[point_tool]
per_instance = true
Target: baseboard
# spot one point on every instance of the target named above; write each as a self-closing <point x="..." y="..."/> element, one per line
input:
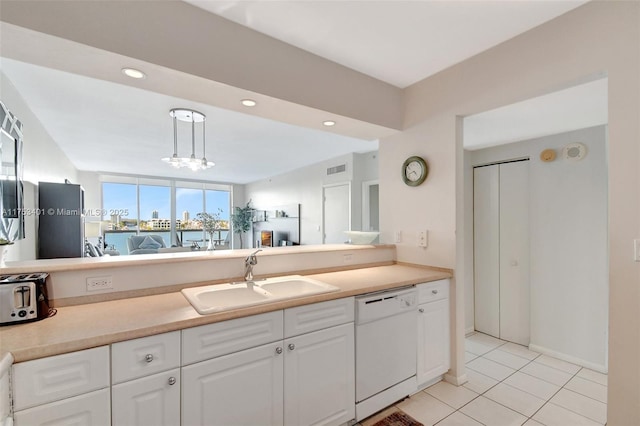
<point x="574" y="360"/>
<point x="431" y="382"/>
<point x="469" y="330"/>
<point x="456" y="380"/>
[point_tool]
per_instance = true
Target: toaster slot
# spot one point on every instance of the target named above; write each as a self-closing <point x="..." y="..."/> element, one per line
<point x="22" y="297"/>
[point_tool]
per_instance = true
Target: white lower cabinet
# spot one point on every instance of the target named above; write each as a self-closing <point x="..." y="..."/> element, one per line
<point x="243" y="388"/>
<point x="433" y="331"/>
<point x="306" y="379"/>
<point x="68" y="389"/>
<point x="153" y="400"/>
<point x="319" y="377"/>
<point x="145" y="377"/>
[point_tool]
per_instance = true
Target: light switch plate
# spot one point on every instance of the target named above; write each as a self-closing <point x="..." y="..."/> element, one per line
<point x="636" y="250"/>
<point x="398" y="236"/>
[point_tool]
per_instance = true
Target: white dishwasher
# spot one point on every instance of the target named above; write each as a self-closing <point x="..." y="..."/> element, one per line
<point x="386" y="334"/>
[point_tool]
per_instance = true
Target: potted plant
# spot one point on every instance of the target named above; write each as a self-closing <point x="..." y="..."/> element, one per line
<point x="241" y="219"/>
<point x="211" y="222"/>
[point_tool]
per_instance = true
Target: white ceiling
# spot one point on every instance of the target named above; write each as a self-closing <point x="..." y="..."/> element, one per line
<point x="574" y="108"/>
<point x="396" y="41"/>
<point x="109" y="125"/>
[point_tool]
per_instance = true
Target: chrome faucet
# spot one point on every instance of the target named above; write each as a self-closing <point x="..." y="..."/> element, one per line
<point x="249" y="263"/>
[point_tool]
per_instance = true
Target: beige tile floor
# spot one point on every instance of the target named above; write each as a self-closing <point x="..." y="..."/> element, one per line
<point x="510" y="385"/>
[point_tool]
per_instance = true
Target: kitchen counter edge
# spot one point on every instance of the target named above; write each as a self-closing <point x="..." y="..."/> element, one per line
<point x="81" y="327"/>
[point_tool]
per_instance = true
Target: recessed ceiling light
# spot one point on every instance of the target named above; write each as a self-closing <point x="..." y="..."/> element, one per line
<point x="329" y="123"/>
<point x="248" y="102"/>
<point x="133" y="73"/>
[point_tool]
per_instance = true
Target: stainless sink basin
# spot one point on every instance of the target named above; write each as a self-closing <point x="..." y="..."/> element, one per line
<point x="223" y="297"/>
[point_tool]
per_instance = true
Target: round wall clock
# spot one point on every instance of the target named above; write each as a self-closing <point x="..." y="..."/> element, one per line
<point x="414" y="171"/>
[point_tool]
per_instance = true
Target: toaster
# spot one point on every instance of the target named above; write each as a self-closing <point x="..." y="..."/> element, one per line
<point x="23" y="298"/>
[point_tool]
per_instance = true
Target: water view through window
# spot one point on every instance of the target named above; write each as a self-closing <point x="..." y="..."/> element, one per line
<point x="147" y="209"/>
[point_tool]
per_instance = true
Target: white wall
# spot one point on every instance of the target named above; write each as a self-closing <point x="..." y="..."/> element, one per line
<point x="600" y="38"/>
<point x="568" y="245"/>
<point x="43" y="162"/>
<point x="90" y="182"/>
<point x="304" y="186"/>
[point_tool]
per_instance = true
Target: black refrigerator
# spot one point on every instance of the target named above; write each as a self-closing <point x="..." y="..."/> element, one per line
<point x="60" y="220"/>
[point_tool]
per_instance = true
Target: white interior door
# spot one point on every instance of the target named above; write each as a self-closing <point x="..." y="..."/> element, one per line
<point x="336" y="213"/>
<point x="501" y="251"/>
<point x="514" y="252"/>
<point x="486" y="249"/>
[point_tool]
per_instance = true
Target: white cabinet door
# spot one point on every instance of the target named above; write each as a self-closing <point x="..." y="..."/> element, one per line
<point x="320" y="377"/>
<point x="153" y="400"/>
<point x="242" y="388"/>
<point x="90" y="409"/>
<point x="433" y="340"/>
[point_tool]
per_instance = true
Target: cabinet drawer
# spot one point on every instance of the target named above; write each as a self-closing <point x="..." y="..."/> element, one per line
<point x="430" y="292"/>
<point x="308" y="318"/>
<point x="148" y="355"/>
<point x="50" y="379"/>
<point x="213" y="340"/>
<point x="91" y="409"/>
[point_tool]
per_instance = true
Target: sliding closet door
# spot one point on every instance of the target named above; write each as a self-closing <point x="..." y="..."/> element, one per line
<point x="486" y="240"/>
<point x="514" y="252"/>
<point x="501" y="250"/>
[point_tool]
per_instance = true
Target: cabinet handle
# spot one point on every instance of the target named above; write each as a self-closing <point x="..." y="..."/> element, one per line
<point x="434" y="291"/>
<point x="278" y="350"/>
<point x="291" y="346"/>
<point x="148" y="358"/>
<point x="421" y="310"/>
<point x="172" y="381"/>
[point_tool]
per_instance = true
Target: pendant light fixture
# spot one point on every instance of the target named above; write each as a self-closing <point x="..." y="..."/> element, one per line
<point x="192" y="117"/>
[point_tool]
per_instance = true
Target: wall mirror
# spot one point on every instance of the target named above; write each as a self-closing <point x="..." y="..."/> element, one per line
<point x="11" y="186"/>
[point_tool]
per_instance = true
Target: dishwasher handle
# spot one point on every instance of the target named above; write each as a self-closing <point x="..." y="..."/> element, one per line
<point x="385" y="304"/>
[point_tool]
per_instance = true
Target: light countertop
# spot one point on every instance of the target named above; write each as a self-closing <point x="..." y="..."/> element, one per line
<point x="80" y="327"/>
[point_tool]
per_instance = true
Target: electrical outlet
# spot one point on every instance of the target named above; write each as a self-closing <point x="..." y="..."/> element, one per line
<point x="423" y="239"/>
<point x="99" y="283"/>
<point x="636" y="250"/>
<point x="398" y="236"/>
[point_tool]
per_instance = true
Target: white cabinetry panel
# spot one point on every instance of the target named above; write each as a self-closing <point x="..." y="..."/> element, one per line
<point x="243" y="388"/>
<point x="430" y="292"/>
<point x="49" y="379"/>
<point x="145" y="356"/>
<point x="153" y="400"/>
<point x="433" y="340"/>
<point x="320" y="377"/>
<point x="91" y="409"/>
<point x="308" y="318"/>
<point x="212" y="340"/>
